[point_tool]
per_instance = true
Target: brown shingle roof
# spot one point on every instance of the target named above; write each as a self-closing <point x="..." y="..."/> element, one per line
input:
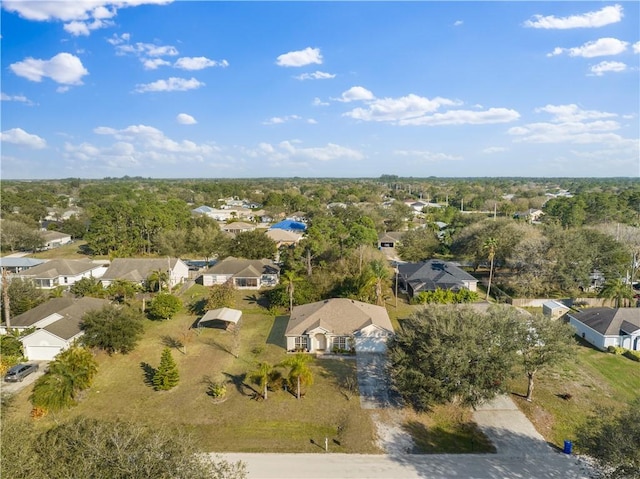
<point x="60" y="267"/>
<point x="136" y="269"/>
<point x="340" y="316"/>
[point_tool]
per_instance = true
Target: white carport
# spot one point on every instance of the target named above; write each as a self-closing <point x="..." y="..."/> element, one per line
<point x="215" y="317"/>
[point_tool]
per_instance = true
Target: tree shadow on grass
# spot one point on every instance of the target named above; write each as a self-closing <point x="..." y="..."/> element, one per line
<point x="149" y="371"/>
<point x="258" y="299"/>
<point x="464" y="438"/>
<point x="276" y="334"/>
<point x="239" y="381"/>
<point x="172" y="342"/>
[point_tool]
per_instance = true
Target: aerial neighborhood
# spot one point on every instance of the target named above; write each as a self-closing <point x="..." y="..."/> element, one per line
<point x="258" y="303"/>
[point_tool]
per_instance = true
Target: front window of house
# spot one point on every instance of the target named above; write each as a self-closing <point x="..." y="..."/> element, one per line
<point x="340" y="343"/>
<point x="302" y="343"/>
<point x="246" y="282"/>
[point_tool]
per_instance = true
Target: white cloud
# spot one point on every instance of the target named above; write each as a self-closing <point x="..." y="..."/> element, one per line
<point x="18" y="98"/>
<point x="356" y="93"/>
<point x="18" y="136"/>
<point x="317" y="75"/>
<point x="198" y="63"/>
<point x="318" y="102"/>
<point x="425" y="156"/>
<point x="286" y="153"/>
<point x="277" y="120"/>
<point x="186" y="119"/>
<point x="465" y="117"/>
<point x="599" y="18"/>
<point x="146" y="50"/>
<point x="312" y="121"/>
<point x="636" y="47"/>
<point x="300" y="58"/>
<point x="63" y="68"/>
<point x="457" y="23"/>
<point x="570" y="124"/>
<point x="598" y="48"/>
<point x="604" y="67"/>
<point x="119" y="39"/>
<point x="397" y="109"/>
<point x="154" y="63"/>
<point x="171" y="84"/>
<point x="494" y="149"/>
<point x="80" y="17"/>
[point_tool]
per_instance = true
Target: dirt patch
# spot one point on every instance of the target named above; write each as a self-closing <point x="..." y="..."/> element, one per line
<point x="391" y="436"/>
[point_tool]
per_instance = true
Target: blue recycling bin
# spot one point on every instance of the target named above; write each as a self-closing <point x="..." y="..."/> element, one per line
<point x="568" y="446"/>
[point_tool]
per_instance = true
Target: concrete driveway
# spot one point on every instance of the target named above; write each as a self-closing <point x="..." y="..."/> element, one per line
<point x="373" y="382"/>
<point x="11" y="388"/>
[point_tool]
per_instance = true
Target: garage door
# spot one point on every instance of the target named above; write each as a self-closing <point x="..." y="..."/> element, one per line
<point x="371" y="344"/>
<point x="41" y="353"/>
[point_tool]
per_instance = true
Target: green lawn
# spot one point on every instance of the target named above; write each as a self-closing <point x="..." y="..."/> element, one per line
<point x="594" y="379"/>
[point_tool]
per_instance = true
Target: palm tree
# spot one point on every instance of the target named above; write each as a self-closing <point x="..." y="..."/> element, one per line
<point x="299" y="372"/>
<point x="618" y="291"/>
<point x="381" y="273"/>
<point x="262" y="377"/>
<point x="490" y="245"/>
<point x="156" y="280"/>
<point x="289" y="278"/>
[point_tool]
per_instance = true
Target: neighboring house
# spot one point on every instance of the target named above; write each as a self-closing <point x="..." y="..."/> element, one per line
<point x="63" y="272"/>
<point x="18" y="265"/>
<point x="390" y="239"/>
<point x="338" y="324"/>
<point x="604" y="327"/>
<point x="237" y="227"/>
<point x="284" y="237"/>
<point x="554" y="309"/>
<point x="532" y="215"/>
<point x="289" y="225"/>
<point x="137" y="270"/>
<point x="54" y="239"/>
<point x="57" y="324"/>
<point x="300" y="216"/>
<point x="243" y="273"/>
<point x="434" y="274"/>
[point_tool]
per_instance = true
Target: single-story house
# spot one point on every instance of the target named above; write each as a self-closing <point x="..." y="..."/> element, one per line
<point x="137" y="270"/>
<point x="243" y="273"/>
<point x="390" y="239"/>
<point x="554" y="309"/>
<point x="18" y="265"/>
<point x="225" y="316"/>
<point x="289" y="225"/>
<point x="57" y="324"/>
<point x="53" y="239"/>
<point x="434" y="274"/>
<point x="63" y="272"/>
<point x="283" y="237"/>
<point x="237" y="227"/>
<point x="338" y="324"/>
<point x="604" y="327"/>
<point x="532" y="215"/>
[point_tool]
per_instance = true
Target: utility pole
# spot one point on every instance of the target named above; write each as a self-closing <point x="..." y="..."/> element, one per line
<point x="5" y="297"/>
<point x="397" y="273"/>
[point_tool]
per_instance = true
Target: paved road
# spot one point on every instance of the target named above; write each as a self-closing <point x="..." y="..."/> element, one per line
<point x="437" y="466"/>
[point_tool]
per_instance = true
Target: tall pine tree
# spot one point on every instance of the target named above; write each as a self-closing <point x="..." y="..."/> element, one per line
<point x="166" y="376"/>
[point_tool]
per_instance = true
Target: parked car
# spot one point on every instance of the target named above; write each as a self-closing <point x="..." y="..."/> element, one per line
<point x="19" y="372"/>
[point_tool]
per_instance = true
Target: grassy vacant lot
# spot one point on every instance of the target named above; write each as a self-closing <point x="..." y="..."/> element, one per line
<point x="594" y="379"/>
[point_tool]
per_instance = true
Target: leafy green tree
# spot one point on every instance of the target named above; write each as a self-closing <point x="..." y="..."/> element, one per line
<point x="23" y="296"/>
<point x="300" y="373"/>
<point x="618" y="291"/>
<point x="221" y="296"/>
<point x="252" y="245"/>
<point x="289" y="278"/>
<point x="83" y="447"/>
<point x="612" y="439"/>
<point x="74" y="227"/>
<point x="113" y="329"/>
<point x="87" y="287"/>
<point x="542" y="343"/>
<point x="16" y="235"/>
<point x="418" y="245"/>
<point x="122" y="290"/>
<point x="164" y="306"/>
<point x="158" y="280"/>
<point x="452" y="354"/>
<point x="69" y="374"/>
<point x="381" y="273"/>
<point x="166" y="376"/>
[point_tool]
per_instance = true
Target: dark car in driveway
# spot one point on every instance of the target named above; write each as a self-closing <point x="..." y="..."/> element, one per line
<point x="19" y="372"/>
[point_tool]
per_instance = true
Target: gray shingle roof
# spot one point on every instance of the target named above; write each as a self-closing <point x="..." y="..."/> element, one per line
<point x="432" y="274"/>
<point x="60" y="267"/>
<point x="609" y="321"/>
<point x="137" y="269"/>
<point x="341" y="316"/>
<point x="235" y="266"/>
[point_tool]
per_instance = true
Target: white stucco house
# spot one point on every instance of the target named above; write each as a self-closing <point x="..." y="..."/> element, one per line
<point x="338" y="324"/>
<point x="604" y="327"/>
<point x="54" y="239"/>
<point x="137" y="270"/>
<point x="242" y="273"/>
<point x="63" y="272"/>
<point x="56" y="323"/>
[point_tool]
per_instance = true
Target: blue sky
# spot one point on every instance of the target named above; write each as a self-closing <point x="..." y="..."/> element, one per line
<point x="180" y="89"/>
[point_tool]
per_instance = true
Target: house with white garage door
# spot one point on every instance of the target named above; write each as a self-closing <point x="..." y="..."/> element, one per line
<point x="56" y="323"/>
<point x="338" y="325"/>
